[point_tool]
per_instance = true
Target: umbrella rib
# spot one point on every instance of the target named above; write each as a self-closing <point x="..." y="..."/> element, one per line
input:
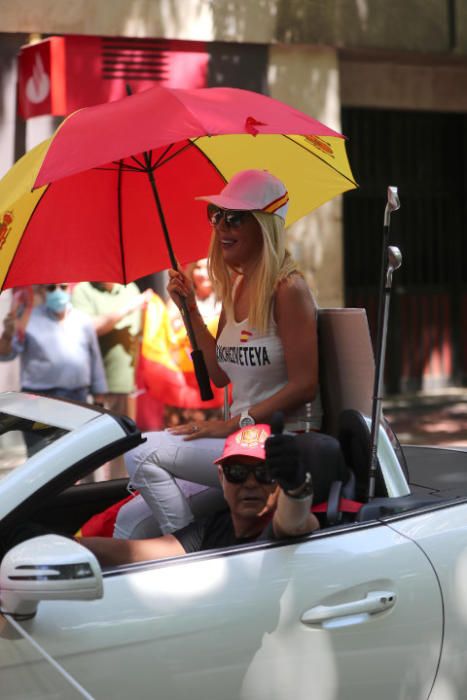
<point x="160" y="160"/>
<point x="141" y="165"/>
<point x="206" y="157"/>
<point x="129" y="168"/>
<point x="132" y="169"/>
<point x="147" y="155"/>
<point x="315" y="155"/>
<point x="154" y="165"/>
<point x="174" y="155"/>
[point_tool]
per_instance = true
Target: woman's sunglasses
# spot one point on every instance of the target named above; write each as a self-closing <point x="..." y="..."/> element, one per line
<point x="239" y="473"/>
<point x="53" y="287"/>
<point x="232" y="219"/>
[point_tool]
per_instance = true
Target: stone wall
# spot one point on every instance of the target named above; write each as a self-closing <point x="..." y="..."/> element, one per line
<point x="402" y="25"/>
<point x="308" y="79"/>
<point x="403" y="82"/>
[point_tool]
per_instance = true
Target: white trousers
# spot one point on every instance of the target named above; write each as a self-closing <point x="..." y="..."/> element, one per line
<point x="168" y="470"/>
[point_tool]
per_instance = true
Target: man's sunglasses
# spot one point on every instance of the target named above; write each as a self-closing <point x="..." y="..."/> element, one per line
<point x="53" y="287"/>
<point x="239" y="473"/>
<point x="232" y="219"/>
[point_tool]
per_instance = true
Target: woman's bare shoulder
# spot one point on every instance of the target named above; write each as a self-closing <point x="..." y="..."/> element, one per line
<point x="293" y="287"/>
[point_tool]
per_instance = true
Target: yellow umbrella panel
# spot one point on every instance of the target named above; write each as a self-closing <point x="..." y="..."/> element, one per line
<point x="18" y="202"/>
<point x="313" y="168"/>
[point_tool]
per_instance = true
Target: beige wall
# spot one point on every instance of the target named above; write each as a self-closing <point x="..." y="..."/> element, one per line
<point x="401" y="83"/>
<point x="251" y="21"/>
<point x="176" y="19"/>
<point x="308" y="79"/>
<point x="418" y="25"/>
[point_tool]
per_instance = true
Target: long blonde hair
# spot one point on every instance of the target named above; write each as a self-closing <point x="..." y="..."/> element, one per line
<point x="275" y="265"/>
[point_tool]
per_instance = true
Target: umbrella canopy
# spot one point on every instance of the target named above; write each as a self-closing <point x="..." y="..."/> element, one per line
<point x="80" y="206"/>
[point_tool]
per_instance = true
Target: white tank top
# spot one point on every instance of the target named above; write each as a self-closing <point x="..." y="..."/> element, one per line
<point x="255" y="365"/>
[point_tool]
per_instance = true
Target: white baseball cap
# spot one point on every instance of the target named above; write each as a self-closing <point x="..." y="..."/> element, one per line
<point x="252" y="190"/>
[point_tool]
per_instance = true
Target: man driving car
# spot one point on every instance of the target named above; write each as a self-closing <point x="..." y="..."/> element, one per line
<point x="268" y="494"/>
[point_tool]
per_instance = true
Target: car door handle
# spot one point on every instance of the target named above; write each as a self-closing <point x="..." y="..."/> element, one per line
<point x="374" y="602"/>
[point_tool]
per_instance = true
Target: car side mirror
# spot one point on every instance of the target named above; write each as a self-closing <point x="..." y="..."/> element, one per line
<point x="49" y="567"/>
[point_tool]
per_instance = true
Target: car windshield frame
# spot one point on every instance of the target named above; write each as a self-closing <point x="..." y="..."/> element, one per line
<point x="28" y="438"/>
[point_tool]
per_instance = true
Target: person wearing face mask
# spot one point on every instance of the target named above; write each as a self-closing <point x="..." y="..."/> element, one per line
<point x="58" y="349"/>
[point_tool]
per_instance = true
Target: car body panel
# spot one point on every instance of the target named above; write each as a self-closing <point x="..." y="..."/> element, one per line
<point x="442" y="534"/>
<point x="366" y="610"/>
<point x="43" y="467"/>
<point x="64" y="414"/>
<point x="440" y="470"/>
<point x="210" y="626"/>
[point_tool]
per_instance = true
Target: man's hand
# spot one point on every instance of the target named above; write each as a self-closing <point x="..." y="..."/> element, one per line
<point x="8" y="326"/>
<point x="283" y="456"/>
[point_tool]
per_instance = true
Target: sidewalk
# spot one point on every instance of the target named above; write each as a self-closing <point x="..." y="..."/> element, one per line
<point x="435" y="418"/>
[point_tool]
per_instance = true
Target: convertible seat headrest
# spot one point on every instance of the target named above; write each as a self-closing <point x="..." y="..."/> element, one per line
<point x="346" y="364"/>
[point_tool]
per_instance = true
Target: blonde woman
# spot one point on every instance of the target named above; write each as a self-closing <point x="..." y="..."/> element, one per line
<point x="266" y="343"/>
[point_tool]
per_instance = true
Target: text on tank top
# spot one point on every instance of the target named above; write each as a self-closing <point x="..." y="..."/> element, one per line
<point x="255" y="365"/>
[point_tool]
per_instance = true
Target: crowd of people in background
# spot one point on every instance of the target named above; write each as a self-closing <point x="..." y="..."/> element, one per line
<point x="111" y="344"/>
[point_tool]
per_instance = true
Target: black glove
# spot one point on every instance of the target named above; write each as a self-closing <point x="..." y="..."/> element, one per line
<point x="283" y="456"/>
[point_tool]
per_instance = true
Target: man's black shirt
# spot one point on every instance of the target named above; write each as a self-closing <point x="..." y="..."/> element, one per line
<point x="215" y="531"/>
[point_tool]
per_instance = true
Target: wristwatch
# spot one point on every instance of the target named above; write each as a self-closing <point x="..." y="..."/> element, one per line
<point x="303" y="491"/>
<point x="245" y="419"/>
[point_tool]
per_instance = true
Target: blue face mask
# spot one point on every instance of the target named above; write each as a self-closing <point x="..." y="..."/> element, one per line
<point x="57" y="300"/>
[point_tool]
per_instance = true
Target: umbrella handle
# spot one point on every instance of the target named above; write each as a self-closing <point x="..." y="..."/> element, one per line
<point x="202" y="376"/>
<point x="199" y="364"/>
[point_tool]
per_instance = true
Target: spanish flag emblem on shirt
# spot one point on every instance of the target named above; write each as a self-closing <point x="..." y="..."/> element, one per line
<point x="245" y="336"/>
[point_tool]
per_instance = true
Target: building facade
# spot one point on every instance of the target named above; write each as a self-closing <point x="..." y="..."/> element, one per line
<point x="391" y="76"/>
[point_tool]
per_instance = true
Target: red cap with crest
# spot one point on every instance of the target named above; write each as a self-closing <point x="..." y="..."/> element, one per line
<point x="246" y="442"/>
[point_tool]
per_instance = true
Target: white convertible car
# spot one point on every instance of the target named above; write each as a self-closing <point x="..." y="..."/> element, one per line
<point x="371" y="606"/>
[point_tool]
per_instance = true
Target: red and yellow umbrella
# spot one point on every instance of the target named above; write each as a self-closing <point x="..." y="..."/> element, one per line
<point x="98" y="200"/>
